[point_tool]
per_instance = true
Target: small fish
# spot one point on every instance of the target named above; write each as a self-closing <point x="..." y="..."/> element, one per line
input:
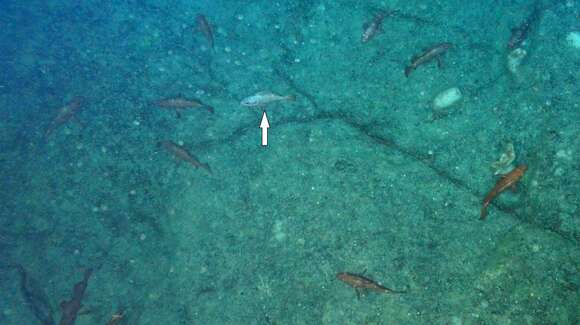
<point x="520" y="33"/>
<point x="370" y="30"/>
<point x="507" y="181"/>
<point x="182" y="154"/>
<point x="429" y="54"/>
<point x="180" y="103"/>
<point x="362" y="283"/>
<point x="116" y="319"/>
<point x="65" y="114"/>
<point x="263" y="98"/>
<point x="205" y="28"/>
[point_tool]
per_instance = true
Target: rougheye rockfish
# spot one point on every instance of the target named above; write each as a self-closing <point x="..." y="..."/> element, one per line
<point x="205" y="28"/>
<point x="434" y="52"/>
<point x="182" y="154"/>
<point x="508" y="180"/>
<point x="65" y="114"/>
<point x="361" y="283"/>
<point x="180" y="103"/>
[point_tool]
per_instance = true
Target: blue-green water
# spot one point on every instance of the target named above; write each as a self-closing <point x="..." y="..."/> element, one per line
<point x="363" y="173"/>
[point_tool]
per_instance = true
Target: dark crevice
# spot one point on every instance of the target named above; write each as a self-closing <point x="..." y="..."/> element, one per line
<point x="381" y="140"/>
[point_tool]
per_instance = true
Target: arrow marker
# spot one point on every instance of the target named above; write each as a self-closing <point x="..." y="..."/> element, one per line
<point x="264" y="125"/>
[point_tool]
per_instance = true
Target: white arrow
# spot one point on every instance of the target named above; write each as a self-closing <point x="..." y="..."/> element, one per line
<point x="264" y="125"/>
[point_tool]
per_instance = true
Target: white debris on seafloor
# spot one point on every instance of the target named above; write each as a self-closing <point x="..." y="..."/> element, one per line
<point x="515" y="59"/>
<point x="447" y="98"/>
<point x="505" y="163"/>
<point x="573" y="39"/>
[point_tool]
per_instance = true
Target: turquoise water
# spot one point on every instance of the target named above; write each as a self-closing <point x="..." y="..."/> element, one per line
<point x="363" y="172"/>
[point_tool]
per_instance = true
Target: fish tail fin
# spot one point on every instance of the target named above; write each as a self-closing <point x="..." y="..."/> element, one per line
<point x="290" y="98"/>
<point x="210" y="109"/>
<point x="408" y="70"/>
<point x="206" y="167"/>
<point x="483" y="214"/>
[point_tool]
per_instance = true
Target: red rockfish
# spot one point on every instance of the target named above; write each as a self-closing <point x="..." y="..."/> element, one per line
<point x="205" y="28"/>
<point x="508" y="180"/>
<point x="65" y="114"/>
<point x="263" y="98"/>
<point x="360" y="283"/>
<point x="180" y="153"/>
<point x="180" y="103"/>
<point x="429" y="54"/>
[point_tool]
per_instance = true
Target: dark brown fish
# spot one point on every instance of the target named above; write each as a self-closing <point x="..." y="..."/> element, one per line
<point x="362" y="283"/>
<point x="429" y="54"/>
<point x="507" y="181"/>
<point x="65" y="114"/>
<point x="180" y="103"/>
<point x="205" y="28"/>
<point x="520" y="33"/>
<point x="70" y="309"/>
<point x="182" y="154"/>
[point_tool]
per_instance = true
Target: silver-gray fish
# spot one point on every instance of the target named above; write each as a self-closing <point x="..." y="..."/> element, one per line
<point x="263" y="98"/>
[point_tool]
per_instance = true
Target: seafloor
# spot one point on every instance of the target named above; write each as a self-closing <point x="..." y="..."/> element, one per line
<point x="361" y="173"/>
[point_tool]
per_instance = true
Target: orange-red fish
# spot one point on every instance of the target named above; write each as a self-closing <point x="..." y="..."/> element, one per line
<point x="205" y="28"/>
<point x="180" y="103"/>
<point x="429" y="54"/>
<point x="508" y="180"/>
<point x="65" y="114"/>
<point x="182" y="154"/>
<point x="362" y="283"/>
